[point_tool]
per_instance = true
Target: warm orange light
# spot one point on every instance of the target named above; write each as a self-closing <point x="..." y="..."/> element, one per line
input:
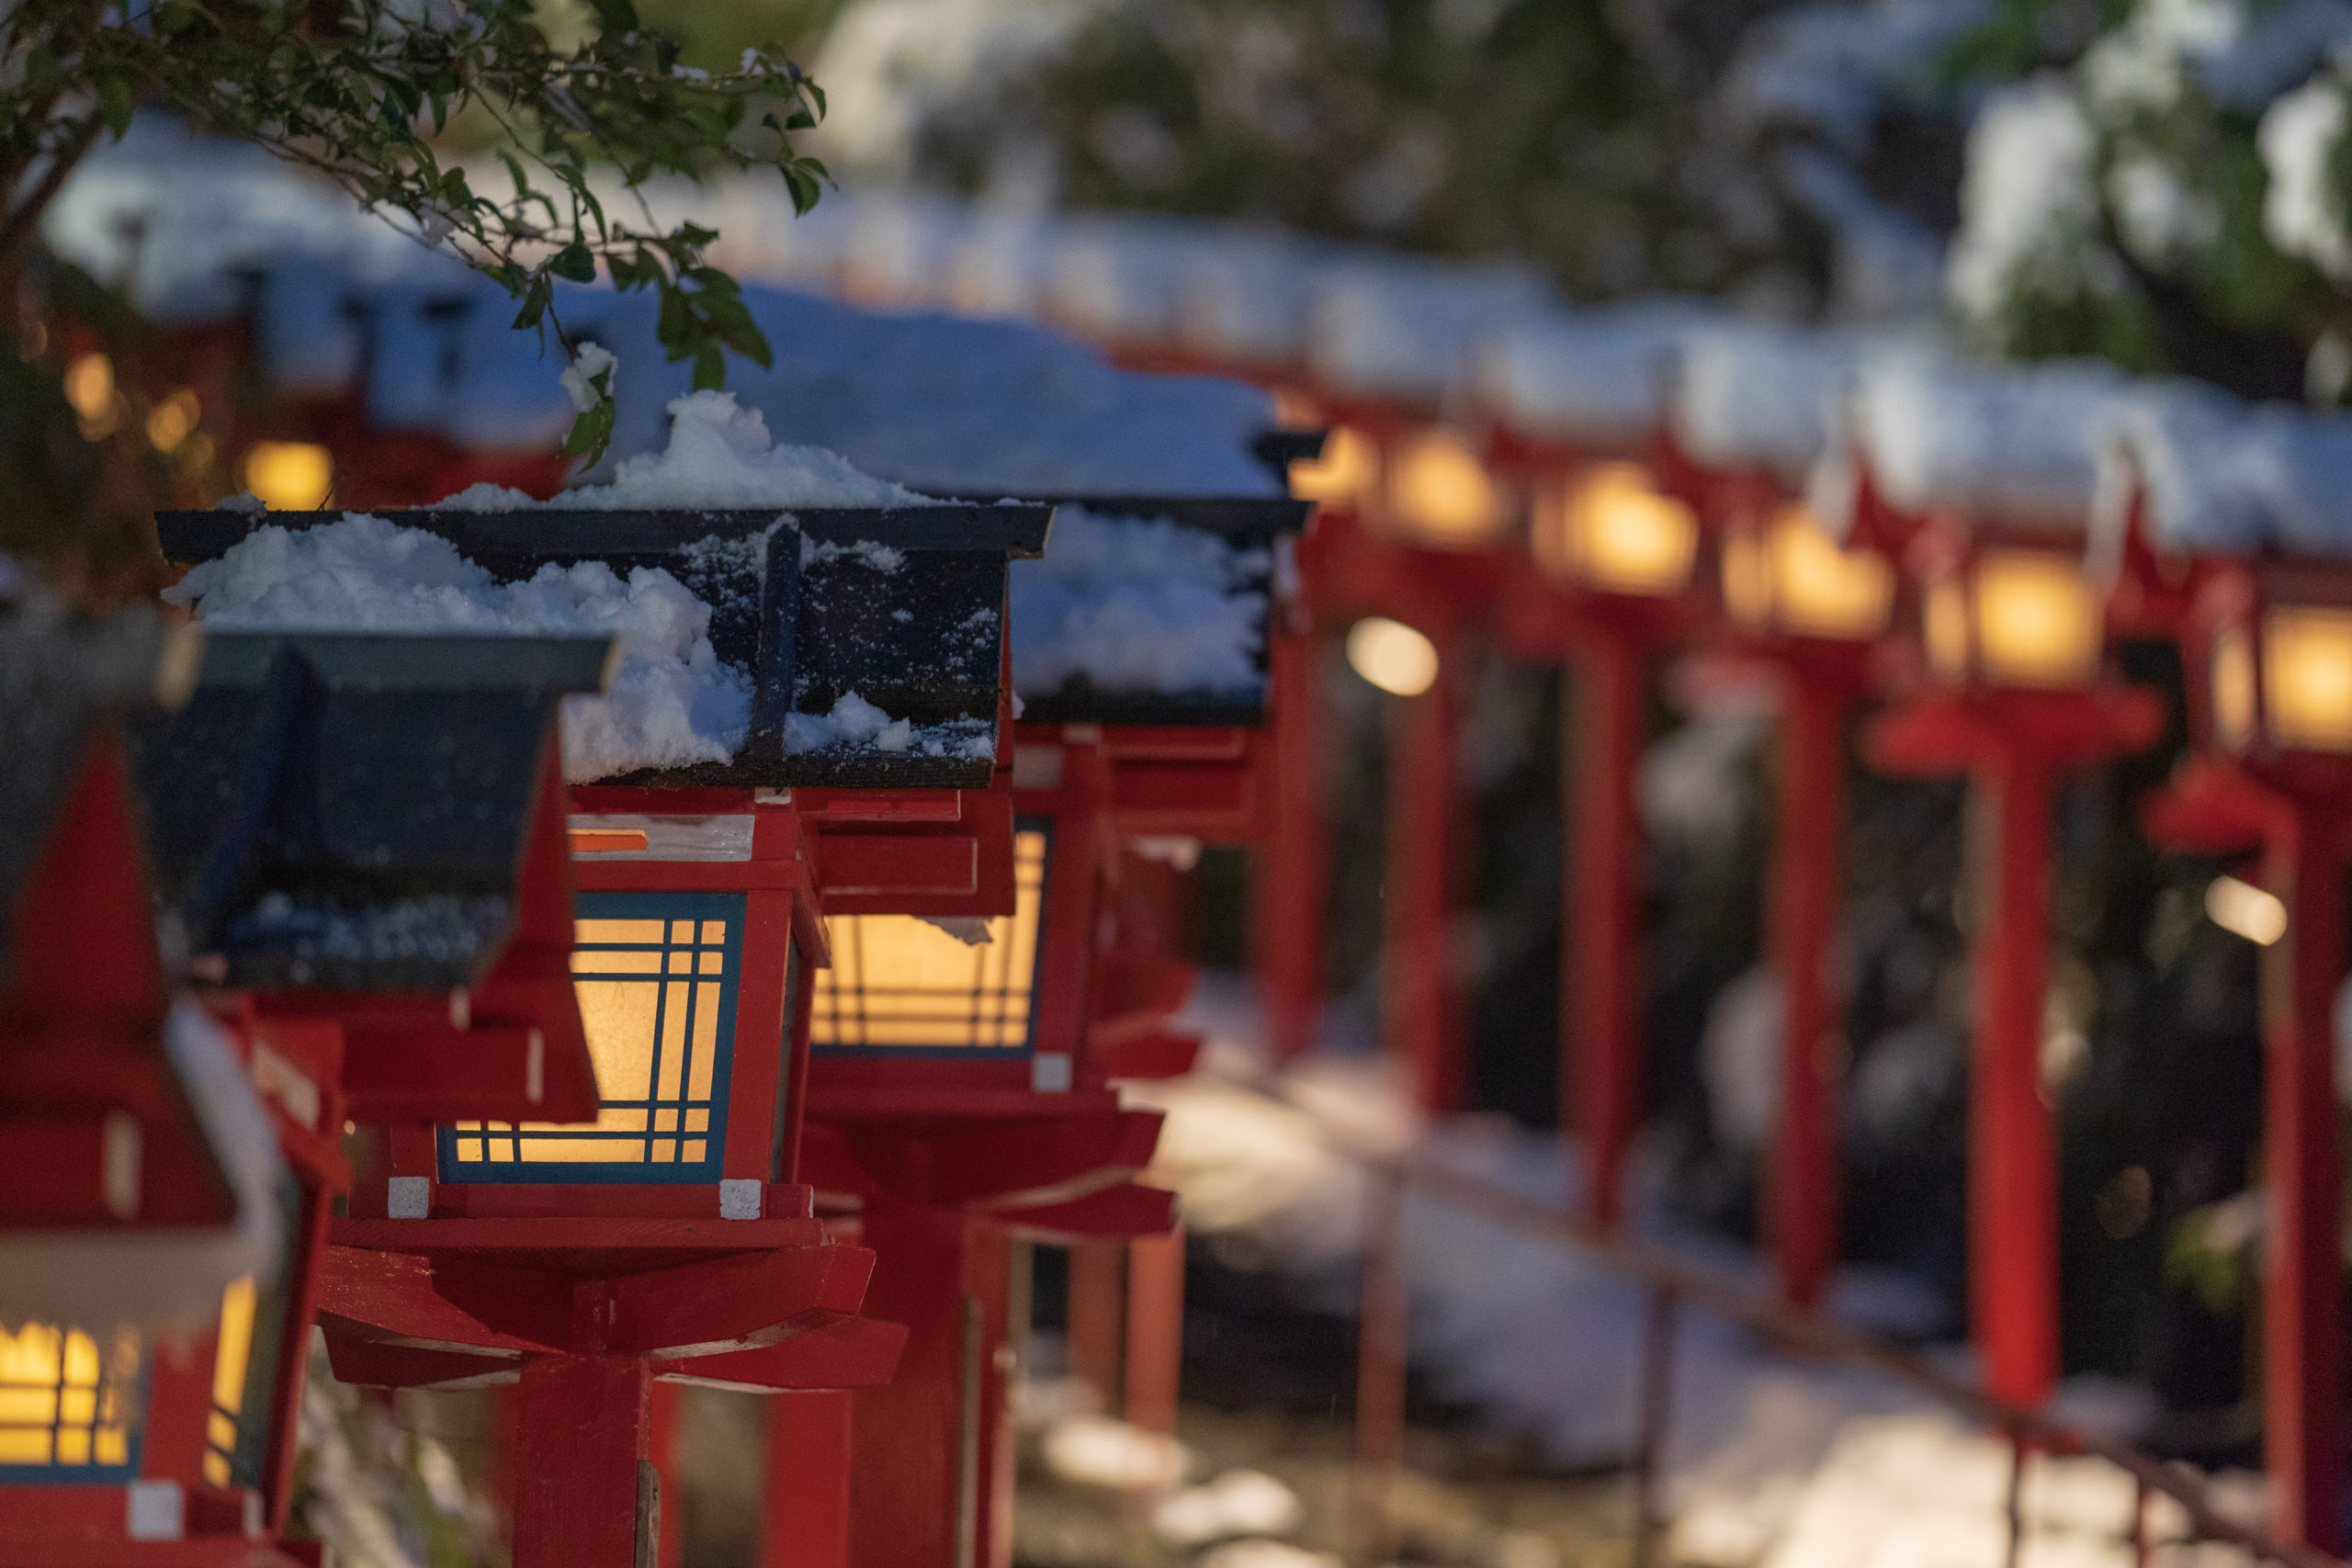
<point x="1613" y="529"/>
<point x="2307" y="677"/>
<point x="89" y="386"/>
<point x="1945" y="624"/>
<point x="1392" y="656"/>
<point x="2232" y="672"/>
<point x="607" y="841"/>
<point x="228" y="1364"/>
<point x="62" y="1401"/>
<point x="173" y="421"/>
<point x="1793" y="578"/>
<point x="897" y="981"/>
<point x="289" y="476"/>
<point x="2037" y="621"/>
<point x="1343" y="474"/>
<point x="1441" y="496"/>
<point x="652" y="992"/>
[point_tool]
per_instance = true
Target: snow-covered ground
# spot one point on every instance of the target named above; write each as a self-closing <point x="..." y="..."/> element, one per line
<point x="1772" y="1460"/>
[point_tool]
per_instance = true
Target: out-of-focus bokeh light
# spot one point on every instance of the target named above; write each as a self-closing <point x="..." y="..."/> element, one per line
<point x="2246" y="910"/>
<point x="2037" y="619"/>
<point x="2233" y="688"/>
<point x="2307" y="677"/>
<point x="1611" y="529"/>
<point x="173" y="421"/>
<point x="1441" y="496"/>
<point x="289" y="476"/>
<point x="89" y="388"/>
<point x="1392" y="656"/>
<point x="1342" y="475"/>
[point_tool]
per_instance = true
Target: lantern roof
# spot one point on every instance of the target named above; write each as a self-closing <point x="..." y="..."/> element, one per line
<point x="1151" y="609"/>
<point x="1595" y="376"/>
<point x="1760" y="395"/>
<point x="348" y="813"/>
<point x="864" y="642"/>
<point x="2214" y="475"/>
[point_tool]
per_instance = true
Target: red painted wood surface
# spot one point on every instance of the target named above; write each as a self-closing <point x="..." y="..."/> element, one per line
<point x="1155" y="1329"/>
<point x="806" y="1518"/>
<point x="2303" y="1371"/>
<point x="1600" y="1008"/>
<point x="1421" y="990"/>
<point x="580" y="1432"/>
<point x="1808" y="873"/>
<point x="1097" y="1317"/>
<point x="1289" y="915"/>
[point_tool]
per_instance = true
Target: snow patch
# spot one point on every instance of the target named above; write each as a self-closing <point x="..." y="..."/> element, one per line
<point x="1135" y="605"/>
<point x="1596" y="376"/>
<point x="854" y="724"/>
<point x="720" y="457"/>
<point x="2029" y="203"/>
<point x="2302" y="212"/>
<point x="672" y="703"/>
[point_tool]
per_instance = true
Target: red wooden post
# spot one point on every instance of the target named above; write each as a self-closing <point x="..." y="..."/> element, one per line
<point x="1421" y="994"/>
<point x="2012" y="1164"/>
<point x="930" y="1480"/>
<point x="1293" y="863"/>
<point x="2304" y="1403"/>
<point x="1807" y="877"/>
<point x="805" y="1522"/>
<point x="1601" y="1010"/>
<point x="579" y="1442"/>
<point x="1098" y="1286"/>
<point x="1155" y="1329"/>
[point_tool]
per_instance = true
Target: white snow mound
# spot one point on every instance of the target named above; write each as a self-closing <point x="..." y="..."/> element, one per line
<point x="1137" y="605"/>
<point x="672" y="702"/>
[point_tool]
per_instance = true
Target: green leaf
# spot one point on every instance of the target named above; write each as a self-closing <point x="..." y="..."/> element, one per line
<point x="803" y="187"/>
<point x="710" y="368"/>
<point x="535" y="303"/>
<point x="573" y="263"/>
<point x="115" y="104"/>
<point x="592" y="431"/>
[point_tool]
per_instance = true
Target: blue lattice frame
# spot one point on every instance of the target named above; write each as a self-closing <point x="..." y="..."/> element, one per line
<point x="662" y="906"/>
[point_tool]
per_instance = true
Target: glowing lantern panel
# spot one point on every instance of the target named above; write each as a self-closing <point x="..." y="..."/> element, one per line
<point x="1613" y="530"/>
<point x="68" y="1405"/>
<point x="1794" y="578"/>
<point x="1441" y="496"/>
<point x="2037" y="622"/>
<point x="656" y="974"/>
<point x="2307" y="677"/>
<point x="902" y="983"/>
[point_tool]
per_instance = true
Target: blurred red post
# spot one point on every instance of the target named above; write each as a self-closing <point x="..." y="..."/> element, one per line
<point x="1601" y="1010"/>
<point x="1422" y="992"/>
<point x="1294" y="863"/>
<point x="1155" y="1328"/>
<point x="1098" y="1288"/>
<point x="1808" y="872"/>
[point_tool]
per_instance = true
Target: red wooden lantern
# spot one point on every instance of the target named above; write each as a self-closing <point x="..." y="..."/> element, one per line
<point x="675" y="1213"/>
<point x="2267" y="649"/>
<point x="1749" y="421"/>
<point x="2002" y="629"/>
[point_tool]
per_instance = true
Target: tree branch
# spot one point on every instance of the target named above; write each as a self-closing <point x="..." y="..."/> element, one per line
<point x="16" y="231"/>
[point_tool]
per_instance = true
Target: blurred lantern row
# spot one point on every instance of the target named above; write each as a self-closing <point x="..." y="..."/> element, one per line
<point x="1981" y="610"/>
<point x="327" y="1001"/>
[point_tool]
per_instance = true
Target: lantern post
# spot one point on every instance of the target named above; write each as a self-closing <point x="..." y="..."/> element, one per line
<point x="2267" y="640"/>
<point x="1812" y="611"/>
<point x="2009" y="689"/>
<point x="1615" y="558"/>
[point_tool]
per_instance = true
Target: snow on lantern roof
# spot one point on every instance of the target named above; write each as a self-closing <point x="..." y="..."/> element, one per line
<point x="348" y="813"/>
<point x="1151" y="610"/>
<point x="896" y="246"/>
<point x="2218" y="474"/>
<point x="1246" y="294"/>
<point x="2018" y="444"/>
<point x="1594" y="375"/>
<point x="948" y="405"/>
<point x="1402" y="331"/>
<point x="1118" y="275"/>
<point x="1760" y="395"/>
